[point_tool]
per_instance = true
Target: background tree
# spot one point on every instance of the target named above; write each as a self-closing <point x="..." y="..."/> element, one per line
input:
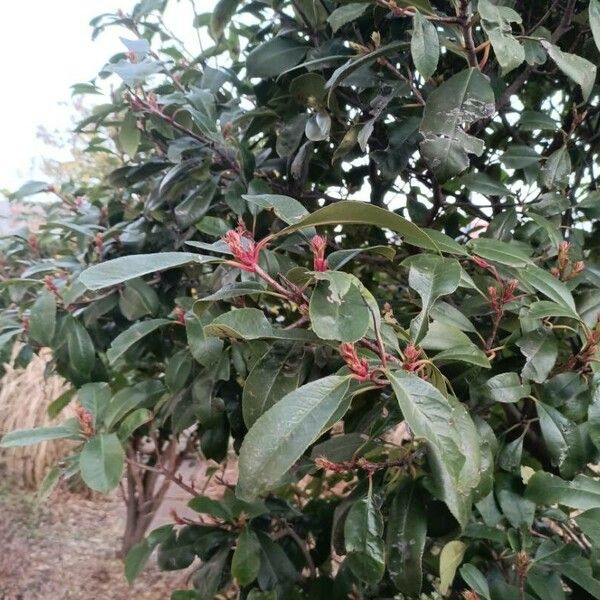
<point x="191" y="300"/>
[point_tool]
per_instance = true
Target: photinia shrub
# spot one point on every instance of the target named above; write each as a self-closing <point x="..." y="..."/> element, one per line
<point x="362" y="257"/>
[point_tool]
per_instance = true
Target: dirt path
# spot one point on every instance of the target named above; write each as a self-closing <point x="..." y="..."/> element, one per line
<point x="66" y="550"/>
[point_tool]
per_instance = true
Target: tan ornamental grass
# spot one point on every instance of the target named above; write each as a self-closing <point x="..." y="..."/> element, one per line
<point x="25" y="394"/>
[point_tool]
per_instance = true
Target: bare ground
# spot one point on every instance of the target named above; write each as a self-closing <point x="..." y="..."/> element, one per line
<point x="67" y="547"/>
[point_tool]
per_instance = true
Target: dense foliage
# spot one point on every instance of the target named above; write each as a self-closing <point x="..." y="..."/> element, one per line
<point x="363" y="256"/>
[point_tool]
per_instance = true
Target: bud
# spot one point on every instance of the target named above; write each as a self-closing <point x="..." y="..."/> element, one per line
<point x="480" y="262"/>
<point x="86" y="421"/>
<point x="246" y="257"/>
<point x="318" y="245"/>
<point x="358" y="366"/>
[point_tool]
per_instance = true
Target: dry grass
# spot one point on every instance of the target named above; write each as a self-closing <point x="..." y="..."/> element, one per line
<point x="25" y="395"/>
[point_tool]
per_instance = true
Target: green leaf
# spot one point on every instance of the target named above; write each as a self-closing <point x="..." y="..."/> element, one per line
<point x="543" y="309"/>
<point x="139" y="554"/>
<point x="133" y="421"/>
<point x="58" y="404"/>
<point x="338" y="309"/>
<point x="29" y="189"/>
<point x="274" y="56"/>
<point x="405" y="541"/>
<point x="583" y="493"/>
<point x="240" y="324"/>
<point x="346" y="14"/>
<point x="563" y="439"/>
<point x="363" y="538"/>
<point x="548" y="285"/>
<point x="451" y="437"/>
<point x="580" y="70"/>
<point x="27" y="437"/>
<point x="95" y="397"/>
<point x="519" y="510"/>
<point x="101" y="462"/>
<point x="80" y="346"/>
<point x="484" y="184"/>
<point x="581" y="573"/>
<point x="496" y="22"/>
<point x="451" y="108"/>
<point x="475" y="579"/>
<point x="361" y="213"/>
<point x="245" y="563"/>
<point x="178" y="370"/>
<point x="424" y="46"/>
<point x="221" y="15"/>
<point x="131" y="336"/>
<point x="138" y="299"/>
<point x="273" y="376"/>
<point x="125" y="268"/>
<point x="555" y="172"/>
<point x="450" y="558"/>
<point x="204" y="348"/>
<point x="507" y="387"/>
<point x="289" y="210"/>
<point x="362" y="60"/>
<point x="466" y="353"/>
<point x="509" y="458"/>
<point x="594" y="16"/>
<point x="541" y="350"/>
<point x="589" y="523"/>
<point x="42" y="320"/>
<point x="499" y="252"/>
<point x="519" y="157"/>
<point x="431" y="277"/>
<point x="129" y="134"/>
<point x="284" y="432"/>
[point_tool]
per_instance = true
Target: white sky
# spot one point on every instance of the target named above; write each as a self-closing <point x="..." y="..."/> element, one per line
<point x="46" y="47"/>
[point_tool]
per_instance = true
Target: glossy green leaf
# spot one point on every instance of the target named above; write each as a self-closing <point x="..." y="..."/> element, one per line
<point x="280" y="436"/>
<point x="27" y="437"/>
<point x="240" y="324"/>
<point x="451" y="108"/>
<point x="245" y="563"/>
<point x="405" y="539"/>
<point x="275" y="56"/>
<point x="178" y="370"/>
<point x="95" y="398"/>
<point x="101" y="462"/>
<point x="541" y="350"/>
<point x="424" y="46"/>
<point x="499" y="252"/>
<point x="429" y="414"/>
<point x="129" y="134"/>
<point x="42" y="320"/>
<point x="431" y="277"/>
<point x="138" y="299"/>
<point x="131" y="336"/>
<point x="582" y="493"/>
<point x="338" y="309"/>
<point x="125" y="268"/>
<point x="496" y="22"/>
<point x="346" y="14"/>
<point x="134" y="420"/>
<point x="563" y="439"/>
<point x="275" y="375"/>
<point x="580" y="70"/>
<point x="548" y="285"/>
<point x="80" y="347"/>
<point x="361" y="213"/>
<point x="557" y="168"/>
<point x="363" y="538"/>
<point x="475" y="579"/>
<point x="507" y="387"/>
